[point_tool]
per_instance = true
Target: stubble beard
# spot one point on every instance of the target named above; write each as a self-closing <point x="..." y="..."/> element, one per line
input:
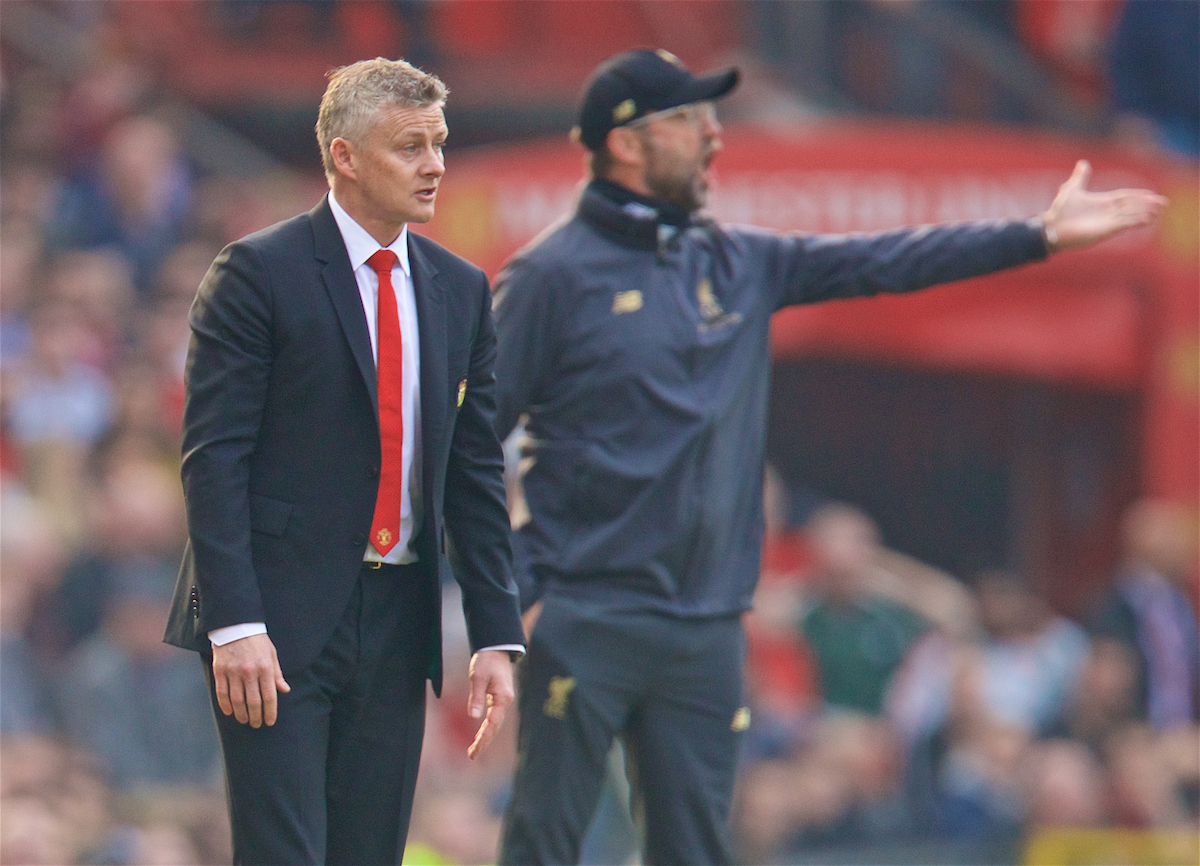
<point x="683" y="185"/>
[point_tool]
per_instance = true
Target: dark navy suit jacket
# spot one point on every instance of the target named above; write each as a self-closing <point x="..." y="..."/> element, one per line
<point x="281" y="443"/>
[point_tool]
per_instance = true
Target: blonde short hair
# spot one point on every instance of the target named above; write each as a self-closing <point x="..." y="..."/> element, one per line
<point x="357" y="92"/>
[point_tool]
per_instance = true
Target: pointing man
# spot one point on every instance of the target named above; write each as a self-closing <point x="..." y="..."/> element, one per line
<point x="634" y="336"/>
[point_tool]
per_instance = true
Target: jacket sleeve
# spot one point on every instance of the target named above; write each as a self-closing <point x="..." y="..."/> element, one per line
<point x="226" y="379"/>
<point x="476" y="515"/>
<point x="809" y="268"/>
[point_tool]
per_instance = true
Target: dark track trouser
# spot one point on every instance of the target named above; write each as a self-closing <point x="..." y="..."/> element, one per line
<point x="671" y="688"/>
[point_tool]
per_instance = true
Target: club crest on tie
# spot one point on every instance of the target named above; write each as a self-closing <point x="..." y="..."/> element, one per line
<point x="384" y="536"/>
<point x="556" y="705"/>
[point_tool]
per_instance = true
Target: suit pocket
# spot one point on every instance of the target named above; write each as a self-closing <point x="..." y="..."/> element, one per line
<point x="269" y="516"/>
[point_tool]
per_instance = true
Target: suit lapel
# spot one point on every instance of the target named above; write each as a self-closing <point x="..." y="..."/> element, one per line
<point x="343" y="292"/>
<point x="431" y="324"/>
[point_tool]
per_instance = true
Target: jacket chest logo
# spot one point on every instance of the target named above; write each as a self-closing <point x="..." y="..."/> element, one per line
<point x="710" y="310"/>
<point x="712" y="314"/>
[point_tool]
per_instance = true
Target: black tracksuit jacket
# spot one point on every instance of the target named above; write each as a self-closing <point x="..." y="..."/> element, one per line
<point x="636" y="341"/>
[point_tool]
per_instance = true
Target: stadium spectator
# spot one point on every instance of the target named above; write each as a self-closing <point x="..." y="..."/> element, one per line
<point x="840" y="786"/>
<point x="1070" y="38"/>
<point x="56" y="807"/>
<point x="135" y="198"/>
<point x="56" y="407"/>
<point x="165" y="737"/>
<point x="858" y="637"/>
<point x="1031" y="657"/>
<point x="968" y="710"/>
<point x="1104" y="699"/>
<point x="30" y="559"/>
<point x="1154" y="64"/>
<point x="1064" y="785"/>
<point x="97" y="284"/>
<point x="1150" y="787"/>
<point x="57" y="395"/>
<point x="134" y="522"/>
<point x="1149" y="612"/>
<point x="20" y="255"/>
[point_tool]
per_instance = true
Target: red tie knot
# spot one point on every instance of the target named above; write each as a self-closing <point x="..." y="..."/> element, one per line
<point x="383" y="261"/>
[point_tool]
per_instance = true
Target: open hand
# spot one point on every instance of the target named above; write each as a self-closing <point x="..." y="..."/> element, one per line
<point x="1078" y="217"/>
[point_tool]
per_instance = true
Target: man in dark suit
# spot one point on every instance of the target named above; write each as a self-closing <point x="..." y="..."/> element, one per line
<point x="338" y="447"/>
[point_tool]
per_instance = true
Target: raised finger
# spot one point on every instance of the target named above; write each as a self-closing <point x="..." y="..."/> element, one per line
<point x="488" y="730"/>
<point x="484" y="736"/>
<point x="477" y="700"/>
<point x="1083" y="171"/>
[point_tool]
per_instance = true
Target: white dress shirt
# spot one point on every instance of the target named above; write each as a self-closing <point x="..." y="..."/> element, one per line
<point x="361" y="246"/>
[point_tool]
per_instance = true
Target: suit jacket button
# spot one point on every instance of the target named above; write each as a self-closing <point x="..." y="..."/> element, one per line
<point x="372" y="471"/>
<point x="359" y="538"/>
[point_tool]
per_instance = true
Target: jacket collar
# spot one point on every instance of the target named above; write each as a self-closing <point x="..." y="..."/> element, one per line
<point x="630" y="219"/>
<point x="360" y="246"/>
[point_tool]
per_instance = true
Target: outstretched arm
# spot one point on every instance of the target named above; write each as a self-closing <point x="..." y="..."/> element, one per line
<point x="1078" y="217"/>
<point x="810" y="268"/>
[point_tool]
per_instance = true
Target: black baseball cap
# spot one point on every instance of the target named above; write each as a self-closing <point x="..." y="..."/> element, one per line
<point x="636" y="83"/>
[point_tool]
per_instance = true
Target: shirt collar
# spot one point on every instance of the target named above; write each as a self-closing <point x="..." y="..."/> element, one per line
<point x="359" y="243"/>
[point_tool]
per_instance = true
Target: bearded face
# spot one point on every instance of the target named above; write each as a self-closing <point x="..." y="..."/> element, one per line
<point x="678" y="150"/>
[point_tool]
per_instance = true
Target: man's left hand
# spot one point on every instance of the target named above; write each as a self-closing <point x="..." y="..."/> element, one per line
<point x="1079" y="217"/>
<point x="491" y="692"/>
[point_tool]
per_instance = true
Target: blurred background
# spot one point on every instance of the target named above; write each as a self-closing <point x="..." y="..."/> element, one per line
<point x="975" y="639"/>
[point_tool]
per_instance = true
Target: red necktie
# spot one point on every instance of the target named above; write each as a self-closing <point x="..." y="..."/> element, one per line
<point x="385" y="528"/>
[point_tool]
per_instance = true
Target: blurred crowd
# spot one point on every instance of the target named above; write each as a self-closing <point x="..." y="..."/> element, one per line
<point x="110" y="753"/>
<point x="897" y="704"/>
<point x="890" y="701"/>
<point x="1115" y="67"/>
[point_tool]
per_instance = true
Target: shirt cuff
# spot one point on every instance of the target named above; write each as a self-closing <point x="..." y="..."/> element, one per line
<point x="230" y="633"/>
<point x="514" y="650"/>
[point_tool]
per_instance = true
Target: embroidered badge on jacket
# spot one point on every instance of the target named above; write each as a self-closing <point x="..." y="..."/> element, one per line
<point x="627" y="302"/>
<point x="556" y="705"/>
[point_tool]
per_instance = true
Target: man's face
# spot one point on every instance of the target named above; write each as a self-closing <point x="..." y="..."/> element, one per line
<point x="399" y="165"/>
<point x="679" y="146"/>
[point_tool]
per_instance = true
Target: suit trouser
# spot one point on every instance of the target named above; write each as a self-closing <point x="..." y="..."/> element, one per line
<point x="670" y="688"/>
<point x="332" y="780"/>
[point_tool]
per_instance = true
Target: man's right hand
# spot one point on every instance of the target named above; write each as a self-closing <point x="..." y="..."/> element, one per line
<point x="246" y="677"/>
